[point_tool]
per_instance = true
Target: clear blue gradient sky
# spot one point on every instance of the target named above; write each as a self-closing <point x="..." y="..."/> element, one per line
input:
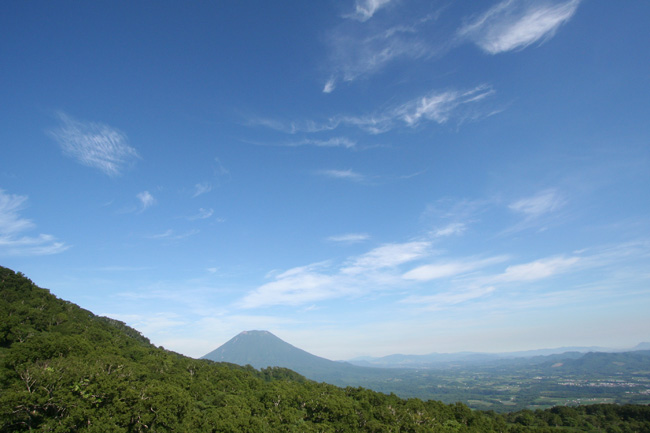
<point x="359" y="178"/>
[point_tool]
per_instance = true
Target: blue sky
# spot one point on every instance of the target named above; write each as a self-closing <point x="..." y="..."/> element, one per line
<point x="359" y="178"/>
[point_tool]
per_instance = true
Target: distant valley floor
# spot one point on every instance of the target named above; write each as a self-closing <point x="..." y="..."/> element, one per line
<point x="505" y="387"/>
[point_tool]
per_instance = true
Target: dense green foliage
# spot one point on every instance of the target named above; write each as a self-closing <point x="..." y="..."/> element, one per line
<point x="63" y="369"/>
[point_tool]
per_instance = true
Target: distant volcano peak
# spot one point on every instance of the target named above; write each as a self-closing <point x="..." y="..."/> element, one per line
<point x="255" y="331"/>
<point x="262" y="349"/>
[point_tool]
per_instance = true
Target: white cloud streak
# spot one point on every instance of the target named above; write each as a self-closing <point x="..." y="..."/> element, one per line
<point x="381" y="270"/>
<point x="330" y="142"/>
<point x="330" y="85"/>
<point x="374" y="270"/>
<point x="356" y="53"/>
<point x="435" y="271"/>
<point x="201" y="188"/>
<point x="539" y="204"/>
<point x="296" y="288"/>
<point x="349" y="238"/>
<point x="436" y="106"/>
<point x="447" y="269"/>
<point x="94" y="144"/>
<point x="387" y="256"/>
<point x="419" y="274"/>
<point x="474" y="286"/>
<point x="450" y="230"/>
<point x="146" y="199"/>
<point x="12" y="225"/>
<point x="202" y="214"/>
<point x="219" y="168"/>
<point x="440" y="106"/>
<point x="440" y="300"/>
<point x="342" y="174"/>
<point x="166" y="234"/>
<point x="538" y="269"/>
<point x="10" y="220"/>
<point x="365" y="9"/>
<point x="516" y="24"/>
<point x="171" y="235"/>
<point x="358" y="49"/>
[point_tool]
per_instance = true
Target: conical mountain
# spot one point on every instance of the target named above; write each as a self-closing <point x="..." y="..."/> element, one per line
<point x="262" y="349"/>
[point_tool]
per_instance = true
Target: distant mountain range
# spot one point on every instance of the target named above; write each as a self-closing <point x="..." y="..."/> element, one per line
<point x="262" y="349"/>
<point x="437" y="360"/>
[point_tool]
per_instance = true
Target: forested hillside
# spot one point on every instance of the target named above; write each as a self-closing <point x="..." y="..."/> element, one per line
<point x="63" y="369"/>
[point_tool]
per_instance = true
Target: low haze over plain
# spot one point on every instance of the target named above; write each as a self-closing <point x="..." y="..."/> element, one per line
<point x="359" y="178"/>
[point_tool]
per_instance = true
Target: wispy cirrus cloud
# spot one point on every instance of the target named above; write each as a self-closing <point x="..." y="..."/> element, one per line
<point x="516" y="24"/>
<point x="435" y="271"/>
<point x="541" y="203"/>
<point x="342" y="174"/>
<point x="435" y="106"/>
<point x="219" y="168"/>
<point x="387" y="256"/>
<point x="94" y="144"/>
<point x="445" y="269"/>
<point x="469" y="283"/>
<point x="382" y="269"/>
<point x="423" y="273"/>
<point x="330" y="85"/>
<point x="12" y="225"/>
<point x="40" y="245"/>
<point x="330" y="142"/>
<point x="537" y="211"/>
<point x="202" y="214"/>
<point x="172" y="235"/>
<point x="146" y="200"/>
<point x="166" y="234"/>
<point x="365" y="9"/>
<point x="357" y="50"/>
<point x="538" y="269"/>
<point x="10" y="220"/>
<point x="349" y="238"/>
<point x="398" y="269"/>
<point x="374" y="270"/>
<point x="121" y="268"/>
<point x="441" y="106"/>
<point x="201" y="188"/>
<point x="220" y="172"/>
<point x="455" y="228"/>
<point x="294" y="288"/>
<point x="439" y="301"/>
<point x="309" y="127"/>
